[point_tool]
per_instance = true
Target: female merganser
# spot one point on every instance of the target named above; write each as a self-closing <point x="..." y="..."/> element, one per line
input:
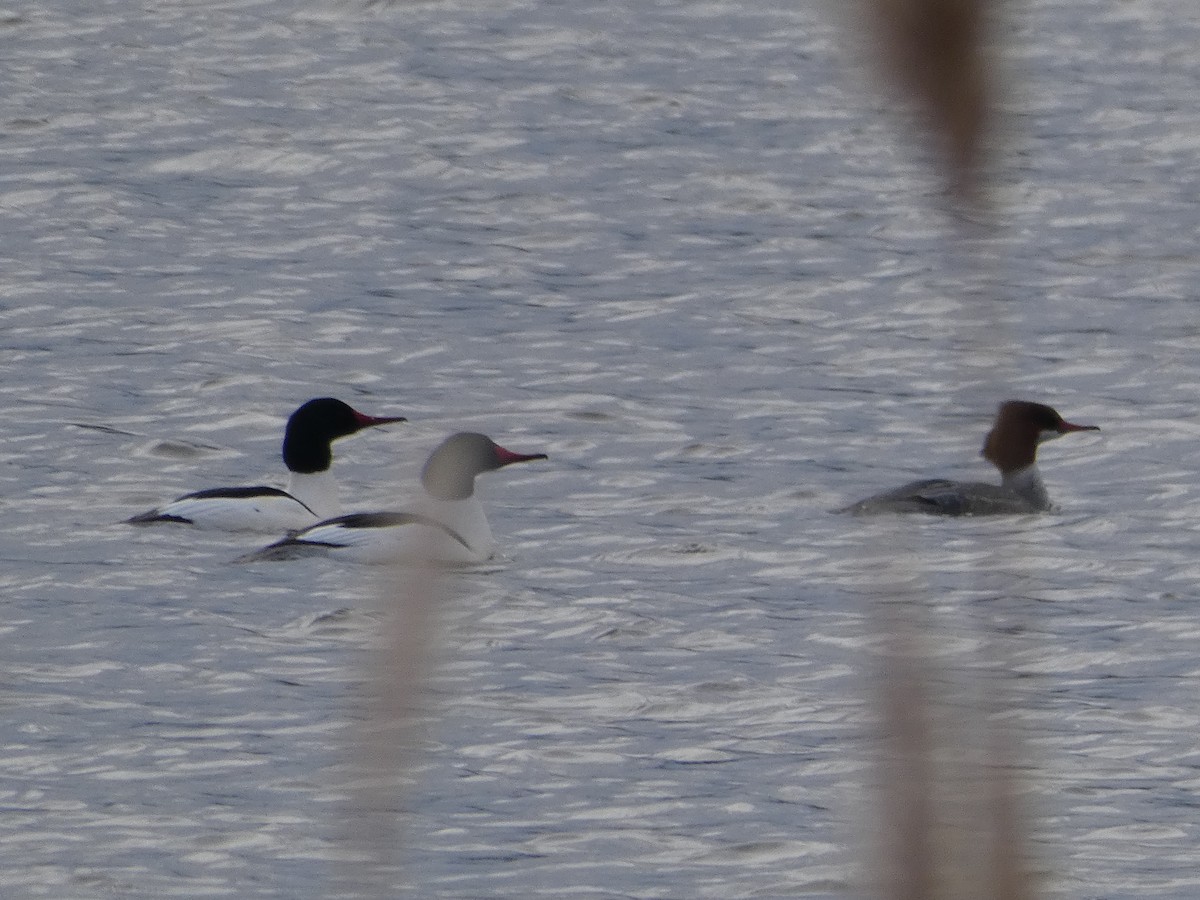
<point x="1011" y="446"/>
<point x="311" y="493"/>
<point x="447" y="525"/>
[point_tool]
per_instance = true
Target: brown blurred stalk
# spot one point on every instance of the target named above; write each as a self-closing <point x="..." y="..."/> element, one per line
<point x="951" y="822"/>
<point x="386" y="747"/>
<point x="935" y="52"/>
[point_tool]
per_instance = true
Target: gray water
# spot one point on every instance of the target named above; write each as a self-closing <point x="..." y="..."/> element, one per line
<point x="686" y="250"/>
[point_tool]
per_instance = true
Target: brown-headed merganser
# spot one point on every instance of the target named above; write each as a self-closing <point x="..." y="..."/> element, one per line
<point x="1011" y="446"/>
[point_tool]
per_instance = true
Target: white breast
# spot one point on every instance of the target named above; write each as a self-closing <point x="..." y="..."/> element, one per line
<point x="316" y="490"/>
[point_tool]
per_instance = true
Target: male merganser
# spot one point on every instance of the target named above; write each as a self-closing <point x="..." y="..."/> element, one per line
<point x="447" y="524"/>
<point x="311" y="493"/>
<point x="1011" y="446"/>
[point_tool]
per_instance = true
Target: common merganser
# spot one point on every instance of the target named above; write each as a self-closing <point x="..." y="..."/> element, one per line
<point x="1011" y="446"/>
<point x="311" y="493"/>
<point x="446" y="525"/>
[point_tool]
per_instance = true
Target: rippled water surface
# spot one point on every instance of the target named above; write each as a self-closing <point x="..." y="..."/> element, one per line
<point x="685" y="250"/>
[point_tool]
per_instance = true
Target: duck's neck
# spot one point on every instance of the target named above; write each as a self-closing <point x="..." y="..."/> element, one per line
<point x="316" y="490"/>
<point x="1027" y="483"/>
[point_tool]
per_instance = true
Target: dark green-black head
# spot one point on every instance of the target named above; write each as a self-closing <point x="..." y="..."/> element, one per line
<point x="313" y="427"/>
